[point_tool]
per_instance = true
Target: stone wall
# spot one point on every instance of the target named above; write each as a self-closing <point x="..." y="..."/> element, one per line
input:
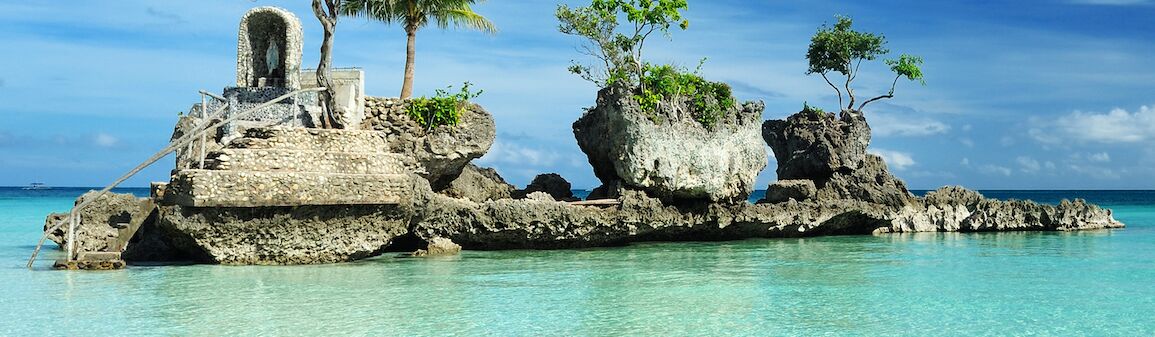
<point x="286" y="166"/>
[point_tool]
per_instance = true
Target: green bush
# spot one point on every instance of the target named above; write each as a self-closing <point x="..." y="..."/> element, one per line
<point x="441" y="109"/>
<point x="708" y="100"/>
<point x="815" y="111"/>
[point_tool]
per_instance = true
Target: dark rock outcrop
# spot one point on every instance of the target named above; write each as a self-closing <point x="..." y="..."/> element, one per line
<point x="440" y="154"/>
<point x="832" y="153"/>
<point x="669" y="154"/>
<point x="786" y="190"/>
<point x="479" y="184"/>
<point x="550" y="183"/>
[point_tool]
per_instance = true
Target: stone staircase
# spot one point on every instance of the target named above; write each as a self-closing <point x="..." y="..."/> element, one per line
<point x="283" y="166"/>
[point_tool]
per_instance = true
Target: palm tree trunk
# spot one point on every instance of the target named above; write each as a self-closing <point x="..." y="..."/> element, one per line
<point x="410" y="52"/>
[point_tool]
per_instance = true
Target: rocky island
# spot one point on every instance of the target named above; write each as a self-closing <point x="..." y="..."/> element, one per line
<point x="266" y="184"/>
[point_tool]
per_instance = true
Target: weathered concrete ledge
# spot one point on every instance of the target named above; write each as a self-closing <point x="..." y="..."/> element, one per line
<point x="212" y="188"/>
<point x="271" y="160"/>
<point x="328" y="140"/>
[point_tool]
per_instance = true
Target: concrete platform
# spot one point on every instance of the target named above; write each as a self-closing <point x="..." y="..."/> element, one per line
<point x="212" y="188"/>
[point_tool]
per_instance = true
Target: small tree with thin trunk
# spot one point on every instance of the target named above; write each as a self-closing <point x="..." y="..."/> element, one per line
<point x="414" y="15"/>
<point x="841" y="49"/>
<point x="327" y="14"/>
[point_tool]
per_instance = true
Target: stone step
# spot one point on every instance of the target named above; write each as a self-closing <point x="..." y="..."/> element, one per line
<point x="329" y="140"/>
<point x="278" y="160"/>
<point x="213" y="188"/>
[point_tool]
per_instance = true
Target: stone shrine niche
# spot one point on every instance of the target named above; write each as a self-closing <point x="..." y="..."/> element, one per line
<point x="269" y="49"/>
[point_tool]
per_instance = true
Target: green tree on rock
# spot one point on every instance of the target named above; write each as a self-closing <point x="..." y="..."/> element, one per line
<point x="842" y="50"/>
<point x="620" y="53"/>
<point x="416" y="14"/>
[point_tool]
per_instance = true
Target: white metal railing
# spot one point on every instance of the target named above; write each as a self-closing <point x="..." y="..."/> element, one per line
<point x="73" y="218"/>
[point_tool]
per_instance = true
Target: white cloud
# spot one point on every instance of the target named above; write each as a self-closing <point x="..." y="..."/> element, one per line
<point x="967" y="142"/>
<point x="105" y="140"/>
<point x="1105" y="173"/>
<point x="1028" y="164"/>
<point x="995" y="169"/>
<point x="1101" y="157"/>
<point x="885" y="124"/>
<point x="898" y="160"/>
<point x="965" y="162"/>
<point x="513" y="153"/>
<point x="1115" y="126"/>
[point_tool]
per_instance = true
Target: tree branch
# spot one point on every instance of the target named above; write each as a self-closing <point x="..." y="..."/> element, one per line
<point x="835" y="89"/>
<point x="887" y="96"/>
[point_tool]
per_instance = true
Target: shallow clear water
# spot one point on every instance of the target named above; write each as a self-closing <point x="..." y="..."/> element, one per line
<point x="1083" y="283"/>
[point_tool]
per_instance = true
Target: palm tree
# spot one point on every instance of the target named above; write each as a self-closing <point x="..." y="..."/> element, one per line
<point x="416" y="14"/>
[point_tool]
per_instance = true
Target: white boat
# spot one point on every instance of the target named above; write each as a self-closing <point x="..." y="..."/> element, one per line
<point x="37" y="186"/>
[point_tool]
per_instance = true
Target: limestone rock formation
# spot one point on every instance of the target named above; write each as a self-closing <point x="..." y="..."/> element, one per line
<point x="281" y="235"/>
<point x="479" y="184"/>
<point x="832" y="153"/>
<point x="953" y="208"/>
<point x="667" y="153"/>
<point x="106" y="225"/>
<point x="551" y="184"/>
<point x="440" y="154"/>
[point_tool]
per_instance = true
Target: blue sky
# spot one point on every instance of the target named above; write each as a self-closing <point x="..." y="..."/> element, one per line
<point x="1020" y="94"/>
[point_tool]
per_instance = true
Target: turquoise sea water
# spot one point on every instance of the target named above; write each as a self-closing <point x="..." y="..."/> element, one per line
<point x="933" y="284"/>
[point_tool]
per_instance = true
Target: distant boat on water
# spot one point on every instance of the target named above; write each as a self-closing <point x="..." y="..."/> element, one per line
<point x="37" y="186"/>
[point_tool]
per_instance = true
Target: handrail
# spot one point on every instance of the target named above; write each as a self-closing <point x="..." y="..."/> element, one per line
<point x="73" y="215"/>
<point x="209" y="94"/>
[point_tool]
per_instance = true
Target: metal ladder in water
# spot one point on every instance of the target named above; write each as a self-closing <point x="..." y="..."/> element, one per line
<point x="73" y="218"/>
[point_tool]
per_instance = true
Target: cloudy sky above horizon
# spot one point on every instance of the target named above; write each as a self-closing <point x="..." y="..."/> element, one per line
<point x="1020" y="94"/>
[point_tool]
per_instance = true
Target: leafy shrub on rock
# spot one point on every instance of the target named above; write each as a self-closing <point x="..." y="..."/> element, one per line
<point x="441" y="109"/>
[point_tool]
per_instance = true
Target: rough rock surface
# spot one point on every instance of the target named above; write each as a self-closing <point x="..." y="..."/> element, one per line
<point x="281" y="235"/>
<point x="439" y="247"/>
<point x="785" y="190"/>
<point x="479" y="184"/>
<point x="440" y="154"/>
<point x="551" y="184"/>
<point x="953" y="208"/>
<point x="831" y="152"/>
<point x="106" y="224"/>
<point x="675" y="157"/>
<point x="813" y="145"/>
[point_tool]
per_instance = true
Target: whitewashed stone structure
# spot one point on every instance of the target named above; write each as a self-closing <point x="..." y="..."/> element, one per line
<point x="263" y="28"/>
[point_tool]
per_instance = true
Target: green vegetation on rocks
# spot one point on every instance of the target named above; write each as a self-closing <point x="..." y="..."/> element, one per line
<point x="708" y="101"/>
<point x="441" y="109"/>
<point x="621" y="62"/>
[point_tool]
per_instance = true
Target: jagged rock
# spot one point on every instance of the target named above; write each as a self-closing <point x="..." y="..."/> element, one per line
<point x="440" y="154"/>
<point x="954" y="195"/>
<point x="551" y="184"/>
<point x="954" y="208"/>
<point x="871" y="182"/>
<point x="106" y="224"/>
<point x="785" y="190"/>
<point x="479" y="184"/>
<point x="439" y="246"/>
<point x="816" y="145"/>
<point x="832" y="153"/>
<point x="539" y="196"/>
<point x="667" y="153"/>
